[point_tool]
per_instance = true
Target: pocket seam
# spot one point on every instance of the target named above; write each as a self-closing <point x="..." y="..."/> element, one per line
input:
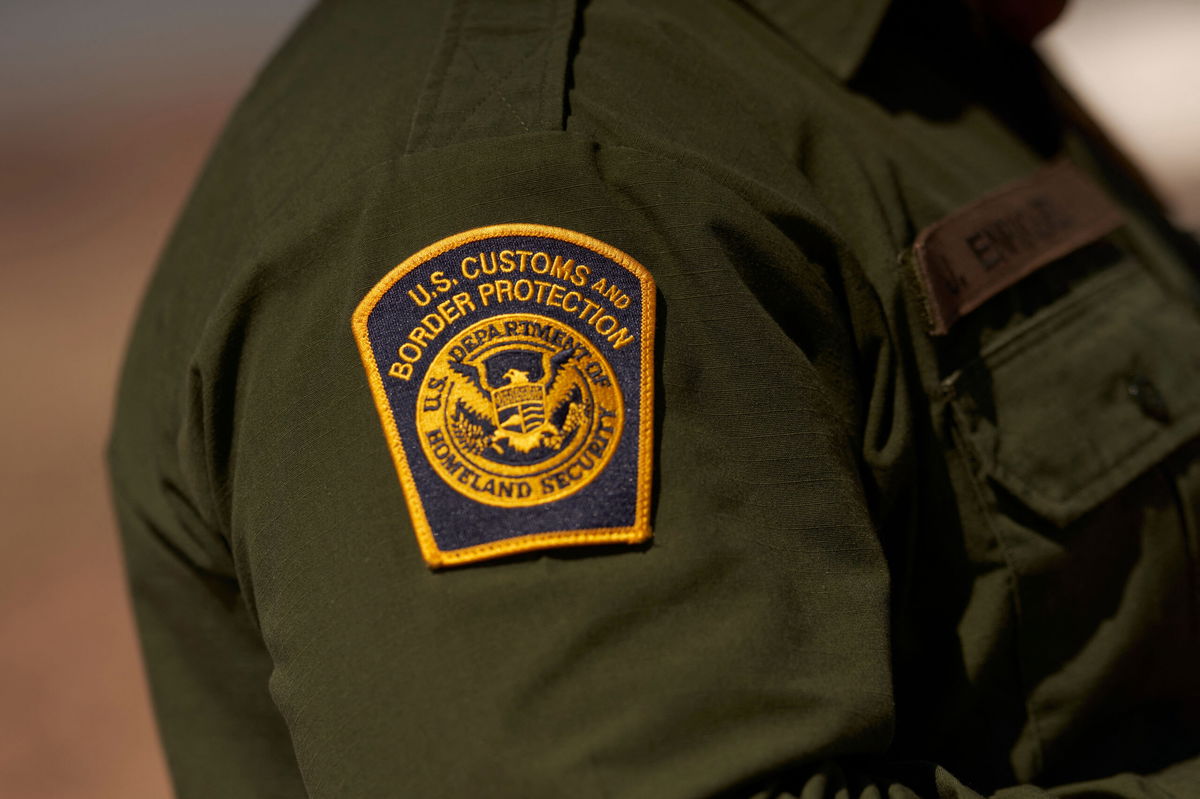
<point x="1007" y="461"/>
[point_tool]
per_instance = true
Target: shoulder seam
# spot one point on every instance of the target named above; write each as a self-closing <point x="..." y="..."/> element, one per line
<point x="498" y="70"/>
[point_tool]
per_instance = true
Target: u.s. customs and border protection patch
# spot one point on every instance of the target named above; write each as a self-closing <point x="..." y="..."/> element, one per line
<point x="511" y="366"/>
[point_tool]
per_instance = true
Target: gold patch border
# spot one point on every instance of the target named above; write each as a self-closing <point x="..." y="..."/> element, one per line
<point x="436" y="558"/>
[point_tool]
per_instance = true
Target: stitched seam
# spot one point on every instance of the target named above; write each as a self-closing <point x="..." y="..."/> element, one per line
<point x="1086" y="299"/>
<point x="1023" y="682"/>
<point x="545" y="71"/>
<point x="496" y="84"/>
<point x="248" y="254"/>
<point x="435" y="80"/>
<point x="1086" y="493"/>
<point x="1008" y="469"/>
<point x="1089" y="491"/>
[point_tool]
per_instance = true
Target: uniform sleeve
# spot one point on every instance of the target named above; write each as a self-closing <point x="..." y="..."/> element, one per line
<point x="744" y="652"/>
<point x="208" y="669"/>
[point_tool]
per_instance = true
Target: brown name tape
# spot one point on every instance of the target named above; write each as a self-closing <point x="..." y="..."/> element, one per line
<point x="968" y="257"/>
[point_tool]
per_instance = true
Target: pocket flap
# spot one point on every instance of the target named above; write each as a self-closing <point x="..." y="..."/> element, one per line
<point x="1083" y="398"/>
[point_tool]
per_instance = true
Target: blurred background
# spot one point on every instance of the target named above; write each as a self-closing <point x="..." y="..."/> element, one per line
<point x="107" y="108"/>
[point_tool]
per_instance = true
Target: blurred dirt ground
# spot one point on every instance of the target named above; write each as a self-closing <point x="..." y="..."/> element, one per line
<point x="84" y="219"/>
<point x="106" y="112"/>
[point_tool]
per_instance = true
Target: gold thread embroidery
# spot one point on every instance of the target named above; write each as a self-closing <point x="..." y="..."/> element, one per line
<point x="577" y="275"/>
<point x="544" y="430"/>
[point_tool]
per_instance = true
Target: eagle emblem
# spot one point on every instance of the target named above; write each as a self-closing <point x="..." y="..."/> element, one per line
<point x="519" y="410"/>
<point x="533" y="412"/>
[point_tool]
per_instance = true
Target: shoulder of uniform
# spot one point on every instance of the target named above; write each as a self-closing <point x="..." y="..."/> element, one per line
<point x="499" y="70"/>
<point x="362" y="82"/>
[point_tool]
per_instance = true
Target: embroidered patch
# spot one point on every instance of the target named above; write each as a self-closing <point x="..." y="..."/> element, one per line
<point x="978" y="251"/>
<point x="511" y="366"/>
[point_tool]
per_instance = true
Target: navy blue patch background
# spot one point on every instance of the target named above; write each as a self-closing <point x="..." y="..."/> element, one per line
<point x="610" y="499"/>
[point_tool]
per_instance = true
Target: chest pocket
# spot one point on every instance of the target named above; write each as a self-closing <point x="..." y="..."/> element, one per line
<point x="1070" y="408"/>
<point x="1076" y="425"/>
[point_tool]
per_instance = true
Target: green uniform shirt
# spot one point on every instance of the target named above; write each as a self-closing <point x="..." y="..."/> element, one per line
<point x="884" y="562"/>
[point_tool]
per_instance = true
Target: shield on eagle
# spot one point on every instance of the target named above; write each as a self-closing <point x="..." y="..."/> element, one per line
<point x="519" y="376"/>
<point x="520" y="405"/>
